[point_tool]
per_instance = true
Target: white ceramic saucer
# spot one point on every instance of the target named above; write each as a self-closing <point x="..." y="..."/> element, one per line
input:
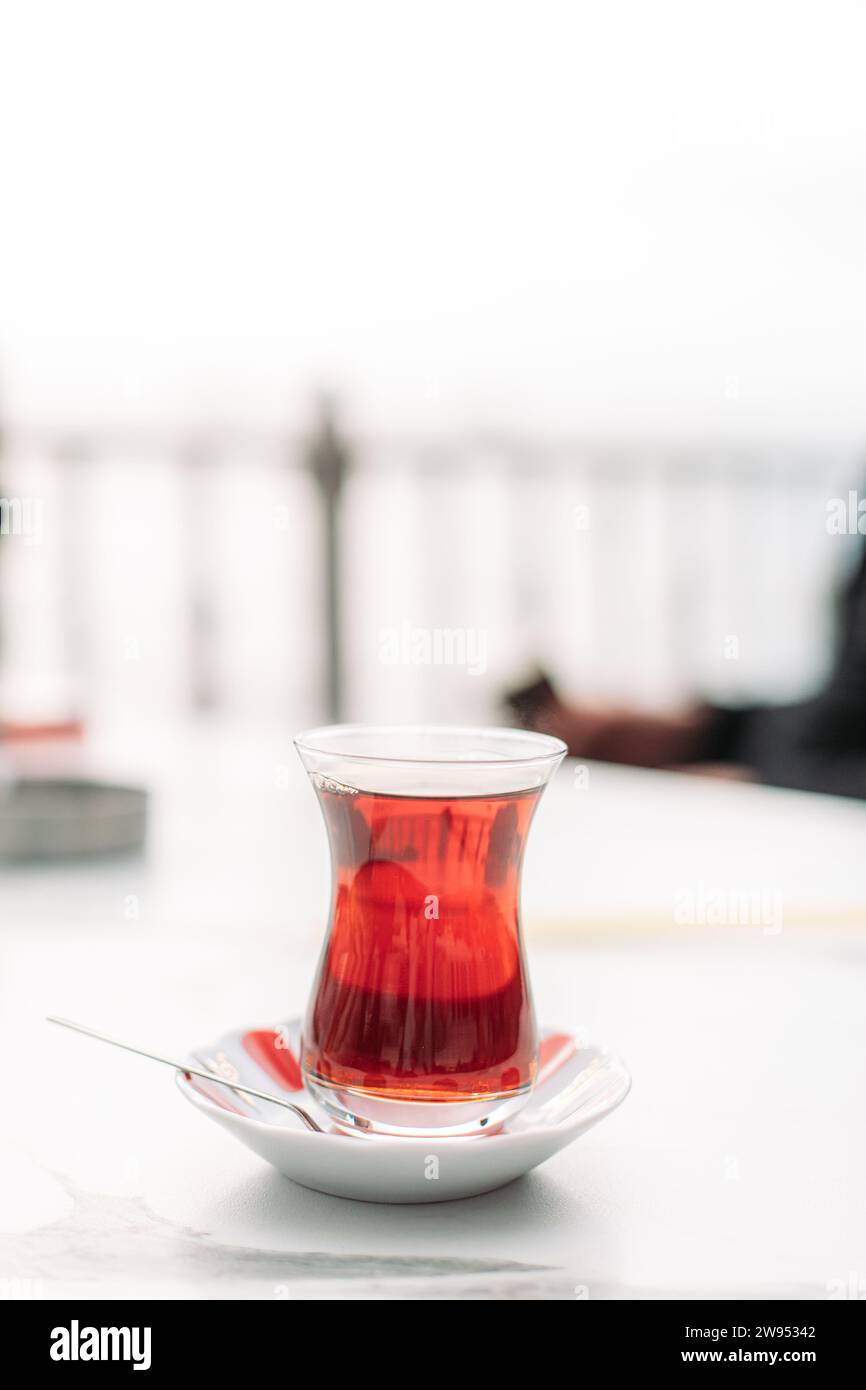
<point x="578" y="1085"/>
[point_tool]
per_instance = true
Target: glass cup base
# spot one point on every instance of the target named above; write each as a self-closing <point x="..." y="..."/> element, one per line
<point x="358" y="1111"/>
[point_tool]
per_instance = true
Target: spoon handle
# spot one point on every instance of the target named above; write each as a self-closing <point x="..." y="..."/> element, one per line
<point x="189" y="1070"/>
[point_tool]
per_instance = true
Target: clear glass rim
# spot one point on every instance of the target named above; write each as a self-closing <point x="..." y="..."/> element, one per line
<point x="326" y="741"/>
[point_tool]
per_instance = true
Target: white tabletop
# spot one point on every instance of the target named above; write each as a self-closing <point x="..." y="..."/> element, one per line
<point x="735" y="1167"/>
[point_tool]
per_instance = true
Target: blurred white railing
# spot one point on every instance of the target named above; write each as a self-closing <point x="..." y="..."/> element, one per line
<point x="287" y="578"/>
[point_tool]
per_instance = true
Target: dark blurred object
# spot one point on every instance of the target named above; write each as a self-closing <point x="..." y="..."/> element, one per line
<point x="529" y="703"/>
<point x="328" y="460"/>
<point x="54" y="818"/>
<point x="616" y="735"/>
<point x="817" y="745"/>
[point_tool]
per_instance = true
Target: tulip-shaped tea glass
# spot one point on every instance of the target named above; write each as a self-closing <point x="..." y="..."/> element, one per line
<point x="421" y="1019"/>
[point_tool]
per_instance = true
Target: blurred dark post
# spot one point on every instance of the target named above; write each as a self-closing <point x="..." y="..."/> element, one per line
<point x="328" y="461"/>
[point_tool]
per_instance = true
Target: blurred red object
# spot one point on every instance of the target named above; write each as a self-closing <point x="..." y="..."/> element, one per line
<point x="33" y="733"/>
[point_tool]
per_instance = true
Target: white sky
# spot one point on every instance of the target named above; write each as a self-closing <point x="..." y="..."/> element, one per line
<point x="617" y="216"/>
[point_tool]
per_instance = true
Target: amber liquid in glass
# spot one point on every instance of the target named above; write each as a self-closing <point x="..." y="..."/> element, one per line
<point x="422" y="992"/>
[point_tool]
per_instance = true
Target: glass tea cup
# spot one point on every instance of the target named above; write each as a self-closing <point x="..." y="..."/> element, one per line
<point x="420" y="1019"/>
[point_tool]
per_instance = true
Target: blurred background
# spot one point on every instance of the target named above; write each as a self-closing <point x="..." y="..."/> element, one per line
<point x="354" y="360"/>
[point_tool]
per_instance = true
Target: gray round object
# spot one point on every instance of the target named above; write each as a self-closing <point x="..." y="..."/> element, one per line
<point x="46" y="818"/>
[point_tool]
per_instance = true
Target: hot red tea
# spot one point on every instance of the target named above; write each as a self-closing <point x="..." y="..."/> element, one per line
<point x="422" y="994"/>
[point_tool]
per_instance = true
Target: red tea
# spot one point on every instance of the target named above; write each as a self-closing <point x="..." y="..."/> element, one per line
<point x="422" y="993"/>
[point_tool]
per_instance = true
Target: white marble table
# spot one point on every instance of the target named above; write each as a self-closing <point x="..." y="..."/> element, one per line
<point x="736" y="1167"/>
